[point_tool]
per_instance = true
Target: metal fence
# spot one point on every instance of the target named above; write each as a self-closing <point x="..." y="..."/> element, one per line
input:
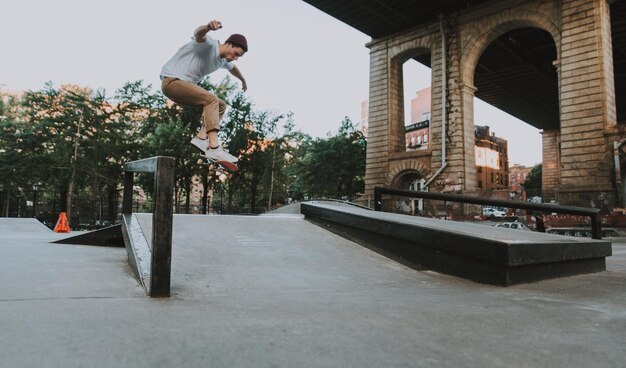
<point x="537" y="208"/>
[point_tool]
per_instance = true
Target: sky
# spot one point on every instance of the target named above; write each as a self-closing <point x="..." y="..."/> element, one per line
<point x="300" y="59"/>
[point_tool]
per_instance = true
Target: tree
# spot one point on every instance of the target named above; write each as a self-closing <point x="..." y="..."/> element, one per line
<point x="164" y="129"/>
<point x="532" y="185"/>
<point x="61" y="124"/>
<point x="255" y="137"/>
<point x="18" y="165"/>
<point x="236" y="134"/>
<point x="332" y="167"/>
<point x="75" y="141"/>
<point x="258" y="160"/>
<point x="276" y="181"/>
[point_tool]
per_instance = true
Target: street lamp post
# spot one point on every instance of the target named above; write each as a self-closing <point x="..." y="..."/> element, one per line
<point x="1" y="198"/>
<point x="7" y="202"/>
<point x="35" y="189"/>
<point x="221" y="179"/>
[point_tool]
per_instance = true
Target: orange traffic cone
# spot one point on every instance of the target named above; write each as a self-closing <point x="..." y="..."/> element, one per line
<point x="62" y="226"/>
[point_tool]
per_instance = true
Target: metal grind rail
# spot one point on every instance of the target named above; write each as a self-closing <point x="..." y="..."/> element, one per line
<point x="593" y="213"/>
<point x="151" y="262"/>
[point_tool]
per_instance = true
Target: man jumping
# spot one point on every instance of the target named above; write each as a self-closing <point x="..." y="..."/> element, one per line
<point x="182" y="73"/>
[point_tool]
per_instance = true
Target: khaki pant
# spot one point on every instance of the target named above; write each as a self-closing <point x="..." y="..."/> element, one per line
<point x="190" y="94"/>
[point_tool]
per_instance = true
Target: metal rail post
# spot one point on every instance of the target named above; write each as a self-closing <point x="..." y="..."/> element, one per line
<point x="162" y="218"/>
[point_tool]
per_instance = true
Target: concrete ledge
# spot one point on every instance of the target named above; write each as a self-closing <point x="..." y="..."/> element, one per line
<point x="476" y="252"/>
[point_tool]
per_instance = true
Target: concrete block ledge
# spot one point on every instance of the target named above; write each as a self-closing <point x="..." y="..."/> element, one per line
<point x="473" y="251"/>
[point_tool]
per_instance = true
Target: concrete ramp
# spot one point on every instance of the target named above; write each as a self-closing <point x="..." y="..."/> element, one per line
<point x="480" y="253"/>
<point x="265" y="254"/>
<point x="22" y="225"/>
<point x="110" y="236"/>
<point x="13" y="228"/>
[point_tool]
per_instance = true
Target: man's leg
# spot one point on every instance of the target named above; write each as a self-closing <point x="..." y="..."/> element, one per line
<point x="187" y="93"/>
<point x="212" y="133"/>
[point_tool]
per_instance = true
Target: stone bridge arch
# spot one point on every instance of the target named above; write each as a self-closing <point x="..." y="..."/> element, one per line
<point x="481" y="34"/>
<point x="478" y="37"/>
<point x="584" y="124"/>
<point x="398" y="56"/>
<point x="407" y="175"/>
<point x="399" y="172"/>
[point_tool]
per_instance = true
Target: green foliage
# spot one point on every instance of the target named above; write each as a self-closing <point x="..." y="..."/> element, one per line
<point x="75" y="141"/>
<point x="532" y="185"/>
<point x="332" y="167"/>
<point x="15" y="139"/>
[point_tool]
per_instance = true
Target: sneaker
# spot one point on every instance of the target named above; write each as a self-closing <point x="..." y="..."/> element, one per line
<point x="219" y="154"/>
<point x="202" y="144"/>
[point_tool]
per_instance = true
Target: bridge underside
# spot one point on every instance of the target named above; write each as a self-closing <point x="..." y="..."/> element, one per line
<point x="515" y="73"/>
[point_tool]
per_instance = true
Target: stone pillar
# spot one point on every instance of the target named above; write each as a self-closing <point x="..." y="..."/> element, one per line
<point x="396" y="107"/>
<point x="550" y="164"/>
<point x="460" y="172"/>
<point x="587" y="97"/>
<point x="436" y="129"/>
<point x="377" y="160"/>
<point x="470" y="180"/>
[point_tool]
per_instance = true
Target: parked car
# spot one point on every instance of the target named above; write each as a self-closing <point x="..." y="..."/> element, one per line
<point x="513" y="225"/>
<point x="493" y="212"/>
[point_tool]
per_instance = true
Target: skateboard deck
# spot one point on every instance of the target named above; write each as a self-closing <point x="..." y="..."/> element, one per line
<point x="228" y="166"/>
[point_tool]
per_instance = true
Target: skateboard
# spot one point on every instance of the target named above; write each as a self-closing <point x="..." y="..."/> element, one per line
<point x="202" y="145"/>
<point x="228" y="166"/>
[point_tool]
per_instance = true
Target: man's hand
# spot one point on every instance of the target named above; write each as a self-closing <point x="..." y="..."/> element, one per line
<point x="244" y="86"/>
<point x="214" y="25"/>
<point x="200" y="32"/>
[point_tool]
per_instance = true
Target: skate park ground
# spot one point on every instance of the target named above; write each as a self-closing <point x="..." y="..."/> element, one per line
<point x="281" y="291"/>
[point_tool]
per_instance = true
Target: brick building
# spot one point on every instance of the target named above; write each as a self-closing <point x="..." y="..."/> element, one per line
<point x="517" y="177"/>
<point x="492" y="160"/>
<point x="417" y="133"/>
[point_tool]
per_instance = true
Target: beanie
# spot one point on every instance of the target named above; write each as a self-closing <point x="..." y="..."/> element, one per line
<point x="238" y="40"/>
